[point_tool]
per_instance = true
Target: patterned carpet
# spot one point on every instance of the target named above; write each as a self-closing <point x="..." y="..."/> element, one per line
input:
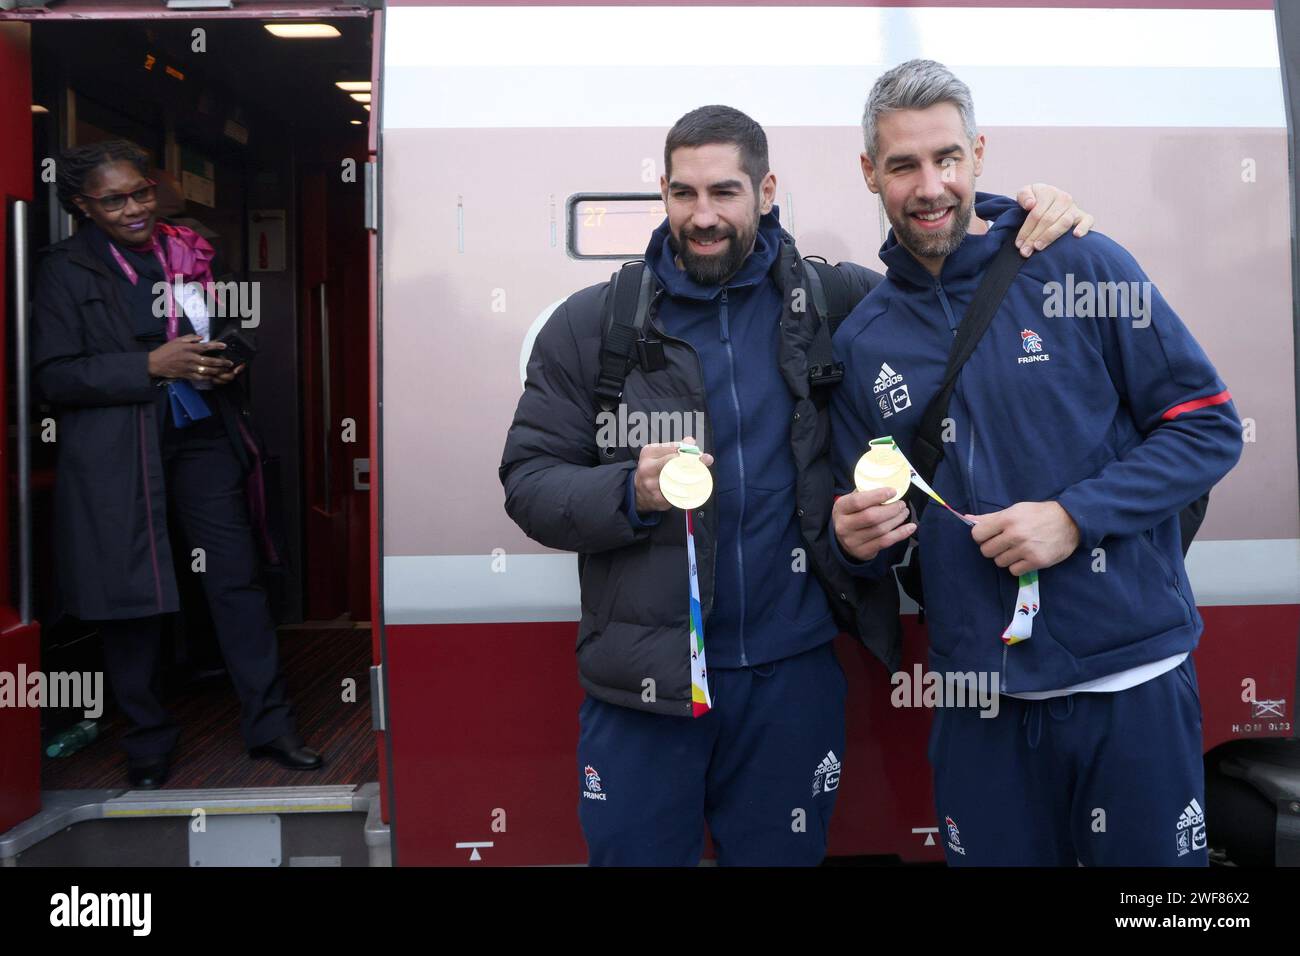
<point x="315" y="661"/>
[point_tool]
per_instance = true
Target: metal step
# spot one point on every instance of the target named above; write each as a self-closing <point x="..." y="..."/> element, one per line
<point x="253" y="826"/>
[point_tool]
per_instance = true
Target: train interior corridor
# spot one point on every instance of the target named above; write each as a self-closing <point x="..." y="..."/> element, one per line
<point x="260" y="144"/>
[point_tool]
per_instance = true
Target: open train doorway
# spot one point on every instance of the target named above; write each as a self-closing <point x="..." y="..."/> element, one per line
<point x="257" y="133"/>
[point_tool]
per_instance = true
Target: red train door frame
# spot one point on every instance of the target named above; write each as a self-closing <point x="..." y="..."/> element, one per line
<point x="19" y="642"/>
<point x="379" y="645"/>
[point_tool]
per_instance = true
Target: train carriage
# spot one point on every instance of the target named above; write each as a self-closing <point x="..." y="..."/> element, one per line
<point x="510" y="156"/>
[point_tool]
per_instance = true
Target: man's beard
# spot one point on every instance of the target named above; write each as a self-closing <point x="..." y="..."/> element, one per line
<point x="717" y="268"/>
<point x="930" y="245"/>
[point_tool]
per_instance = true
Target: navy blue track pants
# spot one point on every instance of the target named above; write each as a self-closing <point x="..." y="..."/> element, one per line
<point x="1098" y="779"/>
<point x="762" y="769"/>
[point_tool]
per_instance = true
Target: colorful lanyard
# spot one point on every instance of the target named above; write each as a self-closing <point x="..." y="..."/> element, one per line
<point x="686" y="483"/>
<point x="701" y="702"/>
<point x="919" y="482"/>
<point x="1027" y="599"/>
<point x="1022" y="622"/>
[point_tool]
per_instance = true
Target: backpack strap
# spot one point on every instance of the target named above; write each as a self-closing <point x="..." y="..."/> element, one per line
<point x="927" y="445"/>
<point x="627" y="303"/>
<point x="831" y="292"/>
<point x="833" y="301"/>
<point x="1190" y="518"/>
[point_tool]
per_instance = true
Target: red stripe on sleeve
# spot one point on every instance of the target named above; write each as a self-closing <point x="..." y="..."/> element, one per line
<point x="1193" y="405"/>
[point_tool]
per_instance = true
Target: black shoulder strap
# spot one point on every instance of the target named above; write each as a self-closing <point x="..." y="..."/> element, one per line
<point x="830" y="292"/>
<point x="626" y="305"/>
<point x="812" y="273"/>
<point x="1190" y="518"/>
<point x="927" y="446"/>
<point x="833" y="300"/>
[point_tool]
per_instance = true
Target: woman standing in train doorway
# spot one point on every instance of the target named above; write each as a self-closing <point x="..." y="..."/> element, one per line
<point x="149" y="419"/>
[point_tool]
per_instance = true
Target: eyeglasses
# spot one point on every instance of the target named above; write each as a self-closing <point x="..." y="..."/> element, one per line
<point x="115" y="201"/>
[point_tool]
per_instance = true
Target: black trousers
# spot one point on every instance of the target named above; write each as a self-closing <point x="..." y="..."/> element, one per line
<point x="205" y="494"/>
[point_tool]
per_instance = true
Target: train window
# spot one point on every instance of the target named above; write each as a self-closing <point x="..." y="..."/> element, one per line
<point x="611" y="225"/>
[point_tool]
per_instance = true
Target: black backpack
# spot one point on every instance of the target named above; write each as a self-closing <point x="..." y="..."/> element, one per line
<point x="632" y="290"/>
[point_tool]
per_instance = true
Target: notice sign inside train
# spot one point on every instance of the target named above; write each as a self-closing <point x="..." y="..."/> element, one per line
<point x="266" y="240"/>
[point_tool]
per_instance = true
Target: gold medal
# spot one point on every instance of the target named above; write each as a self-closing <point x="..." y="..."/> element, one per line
<point x="685" y="481"/>
<point x="883" y="466"/>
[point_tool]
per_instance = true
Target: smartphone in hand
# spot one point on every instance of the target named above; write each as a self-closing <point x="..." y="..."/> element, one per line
<point x="239" y="347"/>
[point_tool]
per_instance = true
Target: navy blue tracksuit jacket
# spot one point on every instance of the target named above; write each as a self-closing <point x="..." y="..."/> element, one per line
<point x="1121" y="419"/>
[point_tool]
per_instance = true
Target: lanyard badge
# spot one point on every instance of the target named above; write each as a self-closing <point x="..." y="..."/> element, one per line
<point x="186" y="403"/>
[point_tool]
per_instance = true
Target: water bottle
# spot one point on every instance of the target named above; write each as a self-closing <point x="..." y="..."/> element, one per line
<point x="68" y="742"/>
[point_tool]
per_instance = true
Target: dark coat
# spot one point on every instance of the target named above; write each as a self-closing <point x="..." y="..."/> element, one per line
<point x="566" y="495"/>
<point x="113" y="558"/>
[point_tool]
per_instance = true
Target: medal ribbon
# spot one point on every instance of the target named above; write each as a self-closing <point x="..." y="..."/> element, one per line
<point x="701" y="702"/>
<point x="1027" y="598"/>
<point x="1022" y="623"/>
<point x="919" y="482"/>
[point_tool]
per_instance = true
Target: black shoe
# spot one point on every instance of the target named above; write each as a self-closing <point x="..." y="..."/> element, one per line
<point x="147" y="774"/>
<point x="289" y="751"/>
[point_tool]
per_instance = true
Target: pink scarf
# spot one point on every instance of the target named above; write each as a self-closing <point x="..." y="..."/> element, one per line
<point x="188" y="253"/>
<point x="186" y="257"/>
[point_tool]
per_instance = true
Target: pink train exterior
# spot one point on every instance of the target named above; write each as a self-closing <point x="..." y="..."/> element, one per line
<point x="1166" y="120"/>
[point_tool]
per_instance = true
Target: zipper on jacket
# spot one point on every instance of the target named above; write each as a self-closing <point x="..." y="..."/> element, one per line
<point x="740" y="461"/>
<point x="707" y="609"/>
<point x="970" y="455"/>
<point x="972" y="502"/>
<point x="947" y="308"/>
<point x="1144" y="537"/>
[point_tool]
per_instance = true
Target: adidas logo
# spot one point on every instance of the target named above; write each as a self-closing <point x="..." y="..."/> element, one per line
<point x="1192" y="815"/>
<point x="887" y="378"/>
<point x="827" y="775"/>
<point x="1189" y="835"/>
